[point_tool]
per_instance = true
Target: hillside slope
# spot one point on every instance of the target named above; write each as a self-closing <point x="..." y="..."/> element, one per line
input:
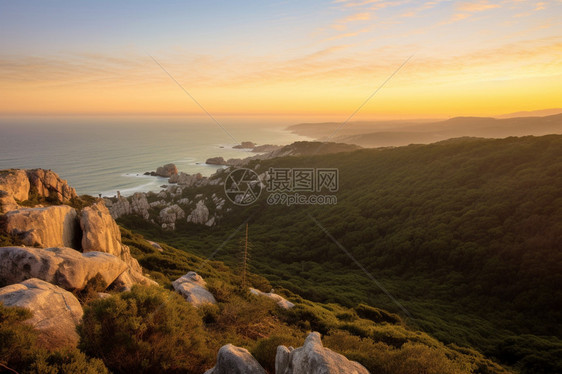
<point x="465" y="234"/>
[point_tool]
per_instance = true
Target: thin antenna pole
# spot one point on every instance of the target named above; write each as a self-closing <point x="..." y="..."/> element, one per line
<point x="245" y="259"/>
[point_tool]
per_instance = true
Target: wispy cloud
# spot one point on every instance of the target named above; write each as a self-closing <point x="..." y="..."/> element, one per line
<point x="478" y="6"/>
<point x="342" y="23"/>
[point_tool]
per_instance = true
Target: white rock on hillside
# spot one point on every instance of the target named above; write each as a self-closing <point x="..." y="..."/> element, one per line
<point x="101" y="233"/>
<point x="194" y="289"/>
<point x="64" y="267"/>
<point x="15" y="182"/>
<point x="50" y="226"/>
<point x="280" y="300"/>
<point x="119" y="208"/>
<point x="168" y="216"/>
<point x="99" y="230"/>
<point x="139" y="205"/>
<point x="56" y="312"/>
<point x="313" y="358"/>
<point x="235" y="360"/>
<point x="200" y="214"/>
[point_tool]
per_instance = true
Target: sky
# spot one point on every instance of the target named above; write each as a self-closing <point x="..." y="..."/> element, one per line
<point x="415" y="59"/>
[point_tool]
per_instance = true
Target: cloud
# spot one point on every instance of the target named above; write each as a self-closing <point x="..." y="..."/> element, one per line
<point x="478" y="6"/>
<point x="342" y="23"/>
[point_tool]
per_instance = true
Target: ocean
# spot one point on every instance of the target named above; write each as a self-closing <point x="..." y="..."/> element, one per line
<point x="103" y="155"/>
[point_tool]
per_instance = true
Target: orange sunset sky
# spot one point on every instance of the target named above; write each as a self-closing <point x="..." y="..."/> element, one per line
<point x="280" y="57"/>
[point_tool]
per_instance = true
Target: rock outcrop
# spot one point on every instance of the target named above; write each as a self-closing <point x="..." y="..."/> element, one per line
<point x="280" y="300"/>
<point x="215" y="161"/>
<point x="140" y="205"/>
<point x="168" y="216"/>
<point x="167" y="170"/>
<point x="187" y="180"/>
<point x="313" y="358"/>
<point x="118" y="208"/>
<point x="16" y="183"/>
<point x="199" y="215"/>
<point x="64" y="267"/>
<point x="194" y="289"/>
<point x="99" y="230"/>
<point x="235" y="360"/>
<point x="7" y="202"/>
<point x="56" y="312"/>
<point x="101" y="233"/>
<point x="50" y="226"/>
<point x="47" y="183"/>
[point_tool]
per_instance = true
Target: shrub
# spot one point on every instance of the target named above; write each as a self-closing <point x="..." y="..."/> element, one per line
<point x="19" y="351"/>
<point x="377" y="315"/>
<point x="265" y="350"/>
<point x="146" y="330"/>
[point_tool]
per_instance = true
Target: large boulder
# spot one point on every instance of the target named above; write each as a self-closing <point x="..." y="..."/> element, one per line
<point x="46" y="183"/>
<point x="56" y="312"/>
<point x="64" y="267"/>
<point x="140" y="205"/>
<point x="99" y="230"/>
<point x="199" y="215"/>
<point x="313" y="358"/>
<point x="167" y="170"/>
<point x="215" y="161"/>
<point x="15" y="183"/>
<point x="50" y="226"/>
<point x="235" y="360"/>
<point x="101" y="233"/>
<point x="194" y="289"/>
<point x="169" y="215"/>
<point x="280" y="300"/>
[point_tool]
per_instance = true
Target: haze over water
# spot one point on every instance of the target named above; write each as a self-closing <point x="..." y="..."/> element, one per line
<point x="104" y="155"/>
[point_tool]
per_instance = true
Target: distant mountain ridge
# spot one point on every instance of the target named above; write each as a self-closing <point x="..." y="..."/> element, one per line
<point x="398" y="133"/>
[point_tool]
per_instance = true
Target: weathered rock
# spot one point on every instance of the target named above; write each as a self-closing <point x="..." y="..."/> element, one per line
<point x="99" y="230"/>
<point x="158" y="204"/>
<point x="184" y="201"/>
<point x="56" y="312"/>
<point x="215" y="161"/>
<point x="235" y="360"/>
<point x="129" y="278"/>
<point x="187" y="180"/>
<point x="313" y="358"/>
<point x="64" y="267"/>
<point x="101" y="233"/>
<point x="15" y="183"/>
<point x="280" y="300"/>
<point x="167" y="170"/>
<point x="50" y="226"/>
<point x="7" y="202"/>
<point x="193" y="288"/>
<point x="168" y="216"/>
<point x="156" y="246"/>
<point x="47" y="183"/>
<point x="200" y="214"/>
<point x="120" y="207"/>
<point x="140" y="205"/>
<point x="245" y="145"/>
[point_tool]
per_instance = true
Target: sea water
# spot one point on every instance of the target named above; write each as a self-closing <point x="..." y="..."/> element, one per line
<point x="103" y="155"/>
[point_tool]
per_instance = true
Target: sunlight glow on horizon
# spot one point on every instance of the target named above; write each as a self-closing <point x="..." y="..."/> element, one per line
<point x="284" y="58"/>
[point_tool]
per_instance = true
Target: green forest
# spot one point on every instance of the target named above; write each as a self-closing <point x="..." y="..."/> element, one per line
<point x="465" y="234"/>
